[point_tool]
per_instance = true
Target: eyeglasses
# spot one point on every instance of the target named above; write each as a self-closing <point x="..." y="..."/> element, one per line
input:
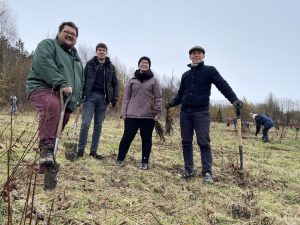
<point x="69" y="33"/>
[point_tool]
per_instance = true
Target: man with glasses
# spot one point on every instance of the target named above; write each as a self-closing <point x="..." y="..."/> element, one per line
<point x="55" y="66"/>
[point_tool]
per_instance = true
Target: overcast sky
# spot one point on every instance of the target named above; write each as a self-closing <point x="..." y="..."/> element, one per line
<point x="254" y="44"/>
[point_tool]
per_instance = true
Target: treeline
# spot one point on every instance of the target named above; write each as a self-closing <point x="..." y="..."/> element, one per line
<point x="14" y="66"/>
<point x="284" y="112"/>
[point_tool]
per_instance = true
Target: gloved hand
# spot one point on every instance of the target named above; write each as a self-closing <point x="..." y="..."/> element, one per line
<point x="238" y="104"/>
<point x="256" y="134"/>
<point x="113" y="103"/>
<point x="168" y="105"/>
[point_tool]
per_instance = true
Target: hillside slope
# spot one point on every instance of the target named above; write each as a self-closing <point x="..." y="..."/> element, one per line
<point x="97" y="192"/>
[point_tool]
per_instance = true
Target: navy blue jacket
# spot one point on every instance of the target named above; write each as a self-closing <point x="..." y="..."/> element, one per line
<point x="195" y="88"/>
<point x="111" y="89"/>
<point x="263" y="119"/>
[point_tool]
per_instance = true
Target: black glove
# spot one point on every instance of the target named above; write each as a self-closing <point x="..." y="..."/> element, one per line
<point x="256" y="134"/>
<point x="238" y="104"/>
<point x="113" y="103"/>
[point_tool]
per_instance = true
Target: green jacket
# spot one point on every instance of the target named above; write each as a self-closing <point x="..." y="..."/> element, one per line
<point x="55" y="67"/>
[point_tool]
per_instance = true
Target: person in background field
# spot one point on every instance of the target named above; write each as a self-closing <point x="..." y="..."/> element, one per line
<point x="229" y="121"/>
<point x="14" y="103"/>
<point x="100" y="89"/>
<point x="141" y="107"/>
<point x="55" y="66"/>
<point x="265" y="121"/>
<point x="234" y="121"/>
<point x="193" y="95"/>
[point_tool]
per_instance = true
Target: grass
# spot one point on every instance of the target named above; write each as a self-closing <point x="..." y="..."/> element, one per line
<point x="97" y="192"/>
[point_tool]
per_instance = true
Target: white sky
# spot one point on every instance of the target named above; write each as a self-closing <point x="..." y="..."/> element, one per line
<point x="254" y="44"/>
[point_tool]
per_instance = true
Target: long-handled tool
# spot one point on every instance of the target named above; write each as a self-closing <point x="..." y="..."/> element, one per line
<point x="239" y="137"/>
<point x="50" y="176"/>
<point x="71" y="146"/>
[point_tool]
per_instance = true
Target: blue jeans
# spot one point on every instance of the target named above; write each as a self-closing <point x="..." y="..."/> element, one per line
<point x="93" y="106"/>
<point x="200" y="122"/>
<point x="265" y="133"/>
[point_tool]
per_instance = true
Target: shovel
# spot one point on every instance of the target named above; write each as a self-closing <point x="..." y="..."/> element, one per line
<point x="239" y="137"/>
<point x="50" y="176"/>
<point x="71" y="146"/>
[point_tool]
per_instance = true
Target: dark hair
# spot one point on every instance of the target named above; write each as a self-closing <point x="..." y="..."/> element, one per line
<point x="70" y="24"/>
<point x="101" y="45"/>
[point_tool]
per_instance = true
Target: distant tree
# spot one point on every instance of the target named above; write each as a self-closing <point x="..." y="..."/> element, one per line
<point x="246" y="110"/>
<point x="219" y="117"/>
<point x="170" y="86"/>
<point x="7" y="22"/>
<point x="85" y="53"/>
<point x="272" y="107"/>
<point x="123" y="76"/>
<point x="14" y="66"/>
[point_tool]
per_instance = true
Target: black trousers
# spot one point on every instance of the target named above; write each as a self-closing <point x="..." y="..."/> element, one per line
<point x="131" y="126"/>
<point x="200" y="123"/>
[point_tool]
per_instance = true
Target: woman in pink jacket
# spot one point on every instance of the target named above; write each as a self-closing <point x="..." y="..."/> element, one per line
<point x="141" y="107"/>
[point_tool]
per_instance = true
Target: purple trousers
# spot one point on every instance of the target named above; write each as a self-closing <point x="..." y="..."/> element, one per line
<point x="47" y="105"/>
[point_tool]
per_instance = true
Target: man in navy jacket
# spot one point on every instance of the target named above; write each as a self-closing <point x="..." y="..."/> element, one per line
<point x="265" y="121"/>
<point x="193" y="95"/>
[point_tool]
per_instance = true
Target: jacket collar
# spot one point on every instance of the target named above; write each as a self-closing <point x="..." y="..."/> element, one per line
<point x="71" y="51"/>
<point x="107" y="60"/>
<point x="196" y="66"/>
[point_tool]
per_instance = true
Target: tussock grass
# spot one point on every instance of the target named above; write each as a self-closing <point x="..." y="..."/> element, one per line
<point x="98" y="192"/>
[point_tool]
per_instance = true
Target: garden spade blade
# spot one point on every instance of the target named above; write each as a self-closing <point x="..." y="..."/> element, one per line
<point x="71" y="146"/>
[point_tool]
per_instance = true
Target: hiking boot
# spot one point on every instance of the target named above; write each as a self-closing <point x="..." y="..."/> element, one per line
<point x="185" y="174"/>
<point x="207" y="178"/>
<point x="120" y="163"/>
<point x="79" y="155"/>
<point x="266" y="139"/>
<point x="144" y="166"/>
<point x="96" y="156"/>
<point x="46" y="156"/>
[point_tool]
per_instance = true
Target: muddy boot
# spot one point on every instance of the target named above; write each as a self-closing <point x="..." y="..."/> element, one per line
<point x="50" y="176"/>
<point x="46" y="156"/>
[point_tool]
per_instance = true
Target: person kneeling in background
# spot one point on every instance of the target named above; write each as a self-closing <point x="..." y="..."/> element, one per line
<point x="263" y="120"/>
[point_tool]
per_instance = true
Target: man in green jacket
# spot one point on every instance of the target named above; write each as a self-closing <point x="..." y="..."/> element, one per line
<point x="56" y="65"/>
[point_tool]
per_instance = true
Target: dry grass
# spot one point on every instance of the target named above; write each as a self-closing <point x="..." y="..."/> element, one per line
<point x="97" y="192"/>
